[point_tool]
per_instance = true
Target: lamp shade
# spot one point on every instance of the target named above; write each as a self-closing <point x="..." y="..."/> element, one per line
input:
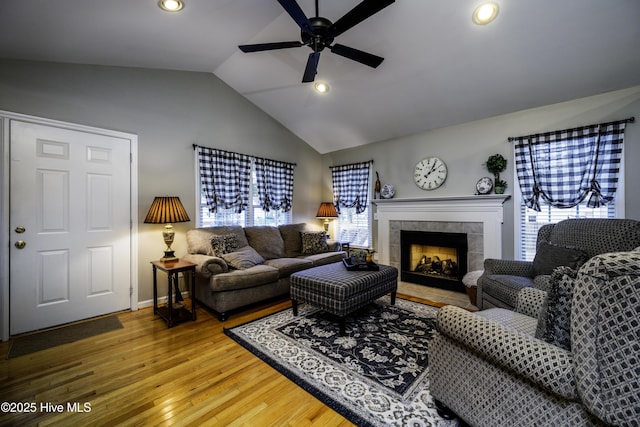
<point x="327" y="210"/>
<point x="166" y="210"/>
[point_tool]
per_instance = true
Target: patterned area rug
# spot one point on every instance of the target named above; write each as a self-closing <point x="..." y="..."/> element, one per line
<point x="375" y="375"/>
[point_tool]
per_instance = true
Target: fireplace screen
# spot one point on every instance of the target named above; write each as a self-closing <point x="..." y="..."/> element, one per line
<point x="433" y="259"/>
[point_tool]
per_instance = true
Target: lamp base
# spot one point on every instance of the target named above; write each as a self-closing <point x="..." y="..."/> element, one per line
<point x="169" y="256"/>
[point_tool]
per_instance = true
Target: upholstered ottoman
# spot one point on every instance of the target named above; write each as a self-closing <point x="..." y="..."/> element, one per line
<point x="338" y="291"/>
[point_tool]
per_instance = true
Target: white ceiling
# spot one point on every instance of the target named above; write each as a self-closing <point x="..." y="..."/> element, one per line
<point x="440" y="69"/>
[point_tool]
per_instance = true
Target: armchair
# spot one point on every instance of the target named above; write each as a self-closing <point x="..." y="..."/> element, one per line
<point x="570" y="243"/>
<point x="490" y="369"/>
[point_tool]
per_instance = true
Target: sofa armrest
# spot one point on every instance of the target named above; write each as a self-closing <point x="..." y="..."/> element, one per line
<point x="207" y="265"/>
<point x="530" y="301"/>
<point x="546" y="365"/>
<point x="508" y="266"/>
<point x="334" y="245"/>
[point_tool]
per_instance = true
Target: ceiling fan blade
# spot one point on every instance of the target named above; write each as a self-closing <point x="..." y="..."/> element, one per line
<point x="312" y="67"/>
<point x="357" y="55"/>
<point x="269" y="46"/>
<point x="293" y="9"/>
<point x="358" y="14"/>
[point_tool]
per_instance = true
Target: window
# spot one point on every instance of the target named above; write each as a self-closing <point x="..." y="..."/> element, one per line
<point x="572" y="173"/>
<point x="350" y="193"/>
<point x="354" y="227"/>
<point x="531" y="221"/>
<point x="243" y="204"/>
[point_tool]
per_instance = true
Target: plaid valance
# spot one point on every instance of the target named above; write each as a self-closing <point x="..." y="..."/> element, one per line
<point x="225" y="178"/>
<point x="563" y="167"/>
<point x="351" y="185"/>
<point x="275" y="184"/>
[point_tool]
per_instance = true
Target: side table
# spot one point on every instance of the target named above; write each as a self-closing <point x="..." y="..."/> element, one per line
<point x="172" y="269"/>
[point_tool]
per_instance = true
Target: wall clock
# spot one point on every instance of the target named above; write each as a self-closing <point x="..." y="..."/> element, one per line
<point x="430" y="173"/>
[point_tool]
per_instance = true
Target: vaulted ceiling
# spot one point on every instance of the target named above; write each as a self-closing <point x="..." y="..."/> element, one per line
<point x="439" y="68"/>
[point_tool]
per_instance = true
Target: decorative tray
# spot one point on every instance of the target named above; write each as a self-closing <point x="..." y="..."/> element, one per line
<point x="353" y="264"/>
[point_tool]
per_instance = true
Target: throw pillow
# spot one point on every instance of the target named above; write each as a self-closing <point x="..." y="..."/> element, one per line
<point x="223" y="244"/>
<point x="313" y="242"/>
<point x="549" y="256"/>
<point x="243" y="258"/>
<point x="554" y="324"/>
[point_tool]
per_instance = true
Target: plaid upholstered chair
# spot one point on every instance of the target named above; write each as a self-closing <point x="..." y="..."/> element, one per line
<point x="577" y="364"/>
<point x="567" y="243"/>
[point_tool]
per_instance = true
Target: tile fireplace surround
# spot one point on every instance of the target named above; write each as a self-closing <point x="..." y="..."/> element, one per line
<point x="480" y="217"/>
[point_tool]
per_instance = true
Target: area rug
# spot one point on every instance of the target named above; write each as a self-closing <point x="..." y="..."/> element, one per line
<point x="375" y="375"/>
<point x="43" y="340"/>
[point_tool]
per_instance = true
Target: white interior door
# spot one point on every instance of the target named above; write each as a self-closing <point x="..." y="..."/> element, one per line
<point x="70" y="225"/>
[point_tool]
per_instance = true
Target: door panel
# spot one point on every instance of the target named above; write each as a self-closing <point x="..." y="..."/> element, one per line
<point x="71" y="192"/>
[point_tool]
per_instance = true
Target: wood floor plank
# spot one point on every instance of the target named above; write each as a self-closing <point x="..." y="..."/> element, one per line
<point x="147" y="374"/>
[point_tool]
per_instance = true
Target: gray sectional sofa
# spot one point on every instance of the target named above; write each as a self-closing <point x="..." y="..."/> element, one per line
<point x="239" y="266"/>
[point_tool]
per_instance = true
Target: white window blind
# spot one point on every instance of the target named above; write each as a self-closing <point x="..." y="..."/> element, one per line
<point x="354" y="228"/>
<point x="531" y="221"/>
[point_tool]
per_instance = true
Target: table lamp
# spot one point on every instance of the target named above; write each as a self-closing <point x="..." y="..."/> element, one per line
<point x="167" y="210"/>
<point x="327" y="211"/>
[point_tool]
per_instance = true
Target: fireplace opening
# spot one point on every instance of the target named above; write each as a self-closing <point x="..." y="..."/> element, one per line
<point x="434" y="259"/>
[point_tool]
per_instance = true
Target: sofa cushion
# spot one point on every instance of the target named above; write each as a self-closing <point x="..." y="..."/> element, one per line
<point x="287" y="266"/>
<point x="223" y="244"/>
<point x="199" y="239"/>
<point x="291" y="238"/>
<point x="314" y="242"/>
<point x="243" y="258"/>
<point x="549" y="256"/>
<point x="242" y="279"/>
<point x="266" y="240"/>
<point x="554" y="322"/>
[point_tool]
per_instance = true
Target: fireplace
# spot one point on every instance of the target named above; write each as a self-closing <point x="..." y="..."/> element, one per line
<point x="435" y="259"/>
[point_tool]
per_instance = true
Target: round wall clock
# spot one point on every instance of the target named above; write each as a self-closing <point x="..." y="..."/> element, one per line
<point x="430" y="173"/>
<point x="484" y="185"/>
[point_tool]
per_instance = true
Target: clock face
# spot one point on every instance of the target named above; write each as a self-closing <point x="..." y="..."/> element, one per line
<point x="430" y="173"/>
<point x="484" y="185"/>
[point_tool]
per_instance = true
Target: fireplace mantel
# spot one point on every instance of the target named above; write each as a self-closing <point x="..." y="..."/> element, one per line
<point x="485" y="209"/>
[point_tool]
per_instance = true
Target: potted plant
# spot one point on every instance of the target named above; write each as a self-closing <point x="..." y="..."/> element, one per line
<point x="496" y="164"/>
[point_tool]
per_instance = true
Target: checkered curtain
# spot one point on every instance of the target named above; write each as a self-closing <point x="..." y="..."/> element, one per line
<point x="275" y="184"/>
<point x="225" y="178"/>
<point x="564" y="167"/>
<point x="351" y="186"/>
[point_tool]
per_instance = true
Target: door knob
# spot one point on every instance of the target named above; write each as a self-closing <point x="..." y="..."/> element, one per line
<point x="20" y="244"/>
<point x="20" y="229"/>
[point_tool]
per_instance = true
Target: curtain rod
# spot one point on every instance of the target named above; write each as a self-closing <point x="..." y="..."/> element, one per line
<point x="348" y="164"/>
<point x="195" y="147"/>
<point x="629" y="120"/>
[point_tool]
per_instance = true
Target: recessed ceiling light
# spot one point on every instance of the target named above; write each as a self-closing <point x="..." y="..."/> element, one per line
<point x="321" y="87"/>
<point x="485" y="13"/>
<point x="171" y="5"/>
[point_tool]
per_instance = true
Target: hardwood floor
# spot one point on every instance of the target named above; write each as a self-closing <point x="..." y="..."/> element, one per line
<point x="147" y="374"/>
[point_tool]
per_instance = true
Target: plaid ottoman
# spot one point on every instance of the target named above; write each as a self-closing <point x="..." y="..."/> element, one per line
<point x="338" y="291"/>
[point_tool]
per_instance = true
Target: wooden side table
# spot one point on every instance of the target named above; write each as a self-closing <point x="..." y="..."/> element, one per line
<point x="172" y="269"/>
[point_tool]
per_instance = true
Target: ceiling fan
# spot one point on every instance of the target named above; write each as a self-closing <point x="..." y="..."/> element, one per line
<point x="319" y="32"/>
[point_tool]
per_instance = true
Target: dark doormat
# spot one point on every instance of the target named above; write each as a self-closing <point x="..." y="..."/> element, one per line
<point x="43" y="340"/>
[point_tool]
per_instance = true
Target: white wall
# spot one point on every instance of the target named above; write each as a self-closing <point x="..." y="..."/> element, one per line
<point x="466" y="147"/>
<point x="169" y="111"/>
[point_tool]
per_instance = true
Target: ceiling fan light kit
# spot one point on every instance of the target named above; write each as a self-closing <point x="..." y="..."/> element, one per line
<point x="321" y="87"/>
<point x="319" y="33"/>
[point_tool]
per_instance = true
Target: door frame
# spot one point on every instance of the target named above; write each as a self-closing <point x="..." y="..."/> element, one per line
<point x="5" y="117"/>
